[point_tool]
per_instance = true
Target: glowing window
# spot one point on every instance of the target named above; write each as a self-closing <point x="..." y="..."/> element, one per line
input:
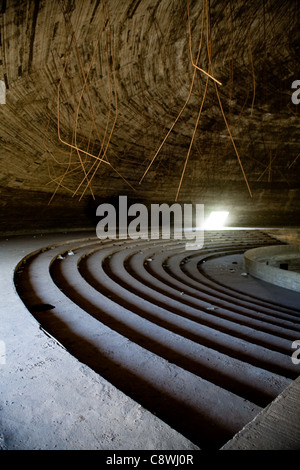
<point x="216" y="220"/>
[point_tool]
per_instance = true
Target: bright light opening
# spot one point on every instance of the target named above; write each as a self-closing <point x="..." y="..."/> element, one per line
<point x="216" y="220"/>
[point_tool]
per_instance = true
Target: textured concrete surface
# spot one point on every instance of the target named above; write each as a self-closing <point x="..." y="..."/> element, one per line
<point x="277" y="427"/>
<point x="134" y="58"/>
<point x="91" y="79"/>
<point x="264" y="263"/>
<point x="50" y="400"/>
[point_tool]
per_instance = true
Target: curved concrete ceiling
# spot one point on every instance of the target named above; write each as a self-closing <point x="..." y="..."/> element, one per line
<point x="160" y="100"/>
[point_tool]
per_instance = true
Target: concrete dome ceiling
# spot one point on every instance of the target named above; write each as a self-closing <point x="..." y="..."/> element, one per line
<point x="114" y="97"/>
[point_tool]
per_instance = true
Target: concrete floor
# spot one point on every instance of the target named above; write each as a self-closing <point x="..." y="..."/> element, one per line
<point x="51" y="400"/>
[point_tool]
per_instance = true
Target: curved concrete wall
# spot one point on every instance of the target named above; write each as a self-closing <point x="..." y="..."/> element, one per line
<point x="261" y="263"/>
<point x="114" y="77"/>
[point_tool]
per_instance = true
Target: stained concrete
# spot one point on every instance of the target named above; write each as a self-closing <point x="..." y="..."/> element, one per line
<point x="143" y="82"/>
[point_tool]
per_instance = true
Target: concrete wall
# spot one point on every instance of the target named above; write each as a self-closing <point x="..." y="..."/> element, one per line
<point x="119" y="74"/>
<point x="258" y="262"/>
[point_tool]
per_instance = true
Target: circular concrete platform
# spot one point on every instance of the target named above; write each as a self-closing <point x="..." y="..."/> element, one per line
<point x="275" y="264"/>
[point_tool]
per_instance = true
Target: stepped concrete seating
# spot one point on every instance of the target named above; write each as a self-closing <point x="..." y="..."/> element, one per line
<point x="173" y="347"/>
